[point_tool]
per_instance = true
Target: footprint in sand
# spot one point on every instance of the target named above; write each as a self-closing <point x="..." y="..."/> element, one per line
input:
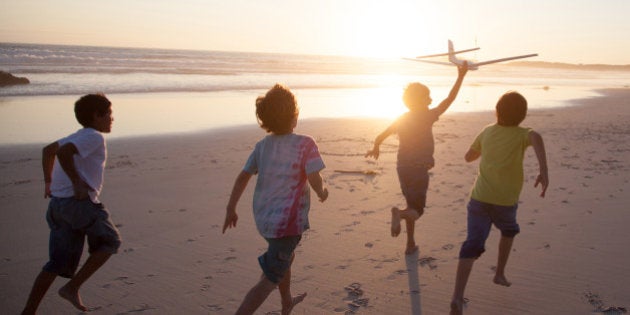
<point x="141" y="308"/>
<point x="427" y="261"/>
<point x="354" y="299"/>
<point x="448" y="247"/>
<point x="214" y="307"/>
<point x="124" y="280"/>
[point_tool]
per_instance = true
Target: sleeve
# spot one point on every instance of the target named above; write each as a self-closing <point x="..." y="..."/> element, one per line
<point x="87" y="142"/>
<point x="314" y="162"/>
<point x="251" y="166"/>
<point x="526" y="141"/>
<point x="476" y="145"/>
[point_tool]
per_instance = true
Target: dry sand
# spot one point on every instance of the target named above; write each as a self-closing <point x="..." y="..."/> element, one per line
<point x="168" y="194"/>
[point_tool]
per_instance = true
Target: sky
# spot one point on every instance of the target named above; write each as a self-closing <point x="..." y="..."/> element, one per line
<point x="577" y="31"/>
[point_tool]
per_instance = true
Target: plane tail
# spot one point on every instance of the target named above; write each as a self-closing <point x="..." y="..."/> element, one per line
<point x="451" y="53"/>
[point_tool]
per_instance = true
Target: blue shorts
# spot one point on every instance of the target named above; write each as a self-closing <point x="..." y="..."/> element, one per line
<point x="70" y="221"/>
<point x="481" y="216"/>
<point x="277" y="260"/>
<point x="414" y="183"/>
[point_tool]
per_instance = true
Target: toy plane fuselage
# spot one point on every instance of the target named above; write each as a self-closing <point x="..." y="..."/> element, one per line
<point x="453" y="60"/>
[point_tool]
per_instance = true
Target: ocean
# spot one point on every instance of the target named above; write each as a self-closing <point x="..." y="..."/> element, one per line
<point x="157" y="91"/>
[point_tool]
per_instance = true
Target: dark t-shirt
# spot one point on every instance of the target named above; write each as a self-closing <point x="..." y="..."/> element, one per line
<point x="415" y="133"/>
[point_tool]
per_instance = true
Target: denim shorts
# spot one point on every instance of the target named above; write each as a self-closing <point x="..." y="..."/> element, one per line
<point x="70" y="221"/>
<point x="414" y="183"/>
<point x="277" y="260"/>
<point x="481" y="216"/>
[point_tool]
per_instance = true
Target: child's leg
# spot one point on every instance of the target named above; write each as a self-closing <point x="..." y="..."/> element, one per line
<point x="288" y="301"/>
<point x="411" y="242"/>
<point x="70" y="291"/>
<point x="478" y="226"/>
<point x="256" y="296"/>
<point x="464" y="267"/>
<point x="504" y="217"/>
<point x="410" y="216"/>
<point x="405" y="214"/>
<point x="505" y="246"/>
<point x="40" y="287"/>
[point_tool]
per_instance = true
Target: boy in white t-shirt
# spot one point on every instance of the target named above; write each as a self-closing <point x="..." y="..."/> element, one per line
<point x="286" y="163"/>
<point x="73" y="173"/>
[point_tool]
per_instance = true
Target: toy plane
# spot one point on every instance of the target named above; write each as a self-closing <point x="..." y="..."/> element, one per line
<point x="453" y="60"/>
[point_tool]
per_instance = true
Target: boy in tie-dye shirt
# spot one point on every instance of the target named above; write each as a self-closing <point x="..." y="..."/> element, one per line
<point x="284" y="163"/>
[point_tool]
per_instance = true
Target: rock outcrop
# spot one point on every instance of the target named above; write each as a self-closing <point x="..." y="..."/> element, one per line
<point x="7" y="79"/>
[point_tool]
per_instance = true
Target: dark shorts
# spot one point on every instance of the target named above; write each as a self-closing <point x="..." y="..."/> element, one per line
<point x="277" y="260"/>
<point x="70" y="221"/>
<point x="481" y="216"/>
<point x="414" y="183"/>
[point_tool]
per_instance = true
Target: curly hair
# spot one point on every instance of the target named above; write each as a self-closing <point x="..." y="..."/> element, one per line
<point x="511" y="109"/>
<point x="414" y="93"/>
<point x="88" y="105"/>
<point x="277" y="110"/>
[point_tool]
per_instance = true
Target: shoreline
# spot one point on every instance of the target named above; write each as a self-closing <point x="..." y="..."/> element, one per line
<point x="168" y="193"/>
<point x="609" y="93"/>
<point x="40" y="119"/>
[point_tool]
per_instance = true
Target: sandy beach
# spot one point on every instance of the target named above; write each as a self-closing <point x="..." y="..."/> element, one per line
<point x="168" y="194"/>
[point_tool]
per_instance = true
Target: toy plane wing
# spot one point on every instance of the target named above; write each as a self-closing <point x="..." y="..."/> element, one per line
<point x="453" y="60"/>
<point x="430" y="61"/>
<point x="446" y="54"/>
<point x="503" y="59"/>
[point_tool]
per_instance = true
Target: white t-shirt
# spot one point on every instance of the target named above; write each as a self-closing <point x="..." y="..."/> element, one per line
<point x="89" y="163"/>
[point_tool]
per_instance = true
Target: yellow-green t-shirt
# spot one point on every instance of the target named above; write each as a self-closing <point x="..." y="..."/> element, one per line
<point x="500" y="177"/>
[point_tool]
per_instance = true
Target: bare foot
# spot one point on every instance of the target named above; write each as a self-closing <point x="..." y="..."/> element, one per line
<point x="286" y="309"/>
<point x="457" y="307"/>
<point x="411" y="249"/>
<point x="502" y="280"/>
<point x="395" y="222"/>
<point x="73" y="297"/>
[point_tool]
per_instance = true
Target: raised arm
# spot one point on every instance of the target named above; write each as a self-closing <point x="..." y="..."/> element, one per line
<point x="444" y="105"/>
<point x="376" y="151"/>
<point x="48" y="160"/>
<point x="539" y="148"/>
<point x="317" y="183"/>
<point x="239" y="186"/>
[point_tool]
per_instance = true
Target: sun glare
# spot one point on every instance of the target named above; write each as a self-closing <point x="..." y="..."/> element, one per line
<point x="384" y="102"/>
<point x="391" y="30"/>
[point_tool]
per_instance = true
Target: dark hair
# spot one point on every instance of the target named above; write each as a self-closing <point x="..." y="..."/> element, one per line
<point x="511" y="109"/>
<point x="276" y="110"/>
<point x="88" y="105"/>
<point x="414" y="92"/>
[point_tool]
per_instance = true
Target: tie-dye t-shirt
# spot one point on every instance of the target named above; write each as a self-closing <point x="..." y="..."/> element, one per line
<point x="282" y="194"/>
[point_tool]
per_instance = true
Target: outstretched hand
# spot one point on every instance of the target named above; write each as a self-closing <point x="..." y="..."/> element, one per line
<point x="230" y="220"/>
<point x="323" y="196"/>
<point x="543" y="180"/>
<point x="373" y="153"/>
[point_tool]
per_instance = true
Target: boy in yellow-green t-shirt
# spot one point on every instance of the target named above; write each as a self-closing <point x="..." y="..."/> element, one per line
<point x="494" y="197"/>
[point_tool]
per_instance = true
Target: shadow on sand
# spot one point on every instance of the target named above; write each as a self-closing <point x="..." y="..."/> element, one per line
<point x="414" y="283"/>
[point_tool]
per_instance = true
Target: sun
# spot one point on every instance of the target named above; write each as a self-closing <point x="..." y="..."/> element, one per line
<point x="391" y="29"/>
